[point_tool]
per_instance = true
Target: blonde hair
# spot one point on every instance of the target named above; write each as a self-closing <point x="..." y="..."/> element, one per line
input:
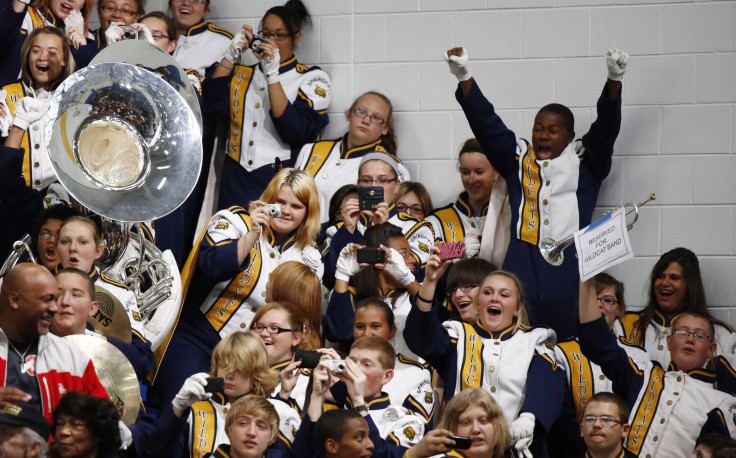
<point x="244" y="353"/>
<point x="86" y="11"/>
<point x="295" y="283"/>
<point x="303" y="187"/>
<point x="67" y="57"/>
<point x="89" y="222"/>
<point x="477" y="397"/>
<point x="256" y="406"/>
<point x="522" y="318"/>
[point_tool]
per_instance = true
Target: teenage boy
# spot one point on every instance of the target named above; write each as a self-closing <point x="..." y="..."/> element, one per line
<point x="251" y="425"/>
<point x="604" y="426"/>
<point x="342" y="433"/>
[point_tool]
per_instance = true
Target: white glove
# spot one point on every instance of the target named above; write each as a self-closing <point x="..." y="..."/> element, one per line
<point x="312" y="258"/>
<point x="30" y="110"/>
<point x="397" y="268"/>
<point x="472" y="244"/>
<point x="126" y="437"/>
<point x="616" y="61"/>
<point x="459" y="65"/>
<point x="114" y="33"/>
<point x="271" y="67"/>
<point x="191" y="392"/>
<point x="522" y="427"/>
<point x="347" y="265"/>
<point x="236" y="47"/>
<point x="142" y="29"/>
<point x="6" y="118"/>
<point x="522" y="447"/>
<point x="74" y="20"/>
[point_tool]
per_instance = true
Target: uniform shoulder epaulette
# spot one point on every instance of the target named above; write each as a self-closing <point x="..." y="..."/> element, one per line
<point x="441" y="210"/>
<point x="301" y="68"/>
<point x="722" y="323"/>
<point x="237" y="210"/>
<point x="220" y="31"/>
<point x="109" y="279"/>
<point x="627" y="343"/>
<point x="412" y="362"/>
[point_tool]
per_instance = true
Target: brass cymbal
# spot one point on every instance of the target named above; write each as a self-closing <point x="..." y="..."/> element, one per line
<point x="115" y="373"/>
<point x="111" y="319"/>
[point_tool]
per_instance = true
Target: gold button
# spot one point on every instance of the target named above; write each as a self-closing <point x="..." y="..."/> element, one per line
<point x="258" y="105"/>
<point x="250" y="162"/>
<point x="36" y="146"/>
<point x="679" y="379"/>
<point x="324" y="177"/>
<point x="661" y="422"/>
<point x="660" y="347"/>
<point x="273" y="255"/>
<point x="327" y="295"/>
<point x="250" y="143"/>
<point x="664" y="332"/>
<point x="242" y="325"/>
<point x="547" y="183"/>
<point x="602" y="377"/>
<point x="37" y="182"/>
<point x="255" y="123"/>
<point x="546" y="222"/>
<point x="225" y="409"/>
<point x="36" y="164"/>
<point x="656" y="438"/>
<point x="35" y="128"/>
<point x="649" y="456"/>
<point x="545" y="202"/>
<point x="493" y="389"/>
<point x="496" y="343"/>
<point x="669" y="403"/>
<point x="263" y="294"/>
<point x="472" y="224"/>
<point x="546" y="163"/>
<point x="676" y="393"/>
<point x="253" y="308"/>
<point x="338" y="164"/>
<point x="492" y="368"/>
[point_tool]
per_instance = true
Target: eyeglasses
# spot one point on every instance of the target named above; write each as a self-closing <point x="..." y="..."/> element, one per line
<point x="406" y="254"/>
<point x="699" y="336"/>
<point x="375" y="119"/>
<point x="365" y="181"/>
<point x="258" y="327"/>
<point x="465" y="289"/>
<point x="48" y="236"/>
<point x="606" y="422"/>
<point x="409" y="208"/>
<point x="191" y="1"/>
<point x="158" y="35"/>
<point x="276" y="36"/>
<point x="608" y="301"/>
<point x="109" y="9"/>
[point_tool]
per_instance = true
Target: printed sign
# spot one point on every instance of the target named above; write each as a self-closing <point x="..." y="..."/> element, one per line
<point x="603" y="244"/>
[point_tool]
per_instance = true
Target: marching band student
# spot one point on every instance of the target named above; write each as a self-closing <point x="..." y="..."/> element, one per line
<point x="604" y="425"/>
<point x="472" y="413"/>
<point x="71" y="17"/>
<point x="463" y="282"/>
<point x="251" y="425"/>
<point x="499" y="353"/>
<point x="376" y="169"/>
<point x="342" y="433"/>
<point x="121" y="12"/>
<point x="557" y="191"/>
<point x="413" y="199"/>
<point x="392" y="281"/>
<point x="229" y="270"/>
<point x="675" y="286"/>
<point x="467" y="216"/>
<point x="670" y="408"/>
<point x="275" y="104"/>
<point x="333" y="163"/>
<point x="45" y="233"/>
<point x="194" y="424"/>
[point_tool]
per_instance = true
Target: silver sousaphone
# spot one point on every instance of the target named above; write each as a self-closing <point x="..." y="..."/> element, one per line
<point x="124" y="138"/>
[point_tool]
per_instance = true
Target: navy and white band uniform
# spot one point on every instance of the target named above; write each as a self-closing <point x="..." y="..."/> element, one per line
<point x="335" y="163"/>
<point x="515" y="363"/>
<point x="233" y="260"/>
<point x="275" y="105"/>
<point x="669" y="407"/>
<point x="553" y="186"/>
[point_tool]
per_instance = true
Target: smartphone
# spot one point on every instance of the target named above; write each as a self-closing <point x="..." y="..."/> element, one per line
<point x="461" y="442"/>
<point x="309" y="359"/>
<point x="451" y="250"/>
<point x="371" y="255"/>
<point x="215" y="385"/>
<point x="369" y="197"/>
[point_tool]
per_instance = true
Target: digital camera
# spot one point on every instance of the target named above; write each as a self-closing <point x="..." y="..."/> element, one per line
<point x="256" y="42"/>
<point x="336" y="366"/>
<point x="129" y="33"/>
<point x="274" y="210"/>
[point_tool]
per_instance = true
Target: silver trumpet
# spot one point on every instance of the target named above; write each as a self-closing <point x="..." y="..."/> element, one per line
<point x="552" y="251"/>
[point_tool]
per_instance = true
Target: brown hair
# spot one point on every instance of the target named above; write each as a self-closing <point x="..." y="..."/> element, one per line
<point x="67" y="57"/>
<point x="295" y="318"/>
<point x="245" y="353"/>
<point x="86" y="11"/>
<point x="522" y="319"/>
<point x="417" y="188"/>
<point x="388" y="141"/>
<point x="170" y="27"/>
<point x="296" y="284"/>
<point x="385" y="353"/>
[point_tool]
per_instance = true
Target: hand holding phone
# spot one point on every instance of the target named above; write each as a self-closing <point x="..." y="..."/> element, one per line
<point x="371" y="255"/>
<point x="215" y="385"/>
<point x="451" y="250"/>
<point x="369" y="197"/>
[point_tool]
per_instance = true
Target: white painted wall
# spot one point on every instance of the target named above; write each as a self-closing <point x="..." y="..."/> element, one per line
<point x="677" y="138"/>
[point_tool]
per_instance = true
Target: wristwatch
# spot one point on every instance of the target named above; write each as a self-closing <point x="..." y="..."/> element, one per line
<point x="363" y="408"/>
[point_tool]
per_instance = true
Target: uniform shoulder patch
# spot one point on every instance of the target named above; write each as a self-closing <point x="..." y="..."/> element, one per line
<point x="409" y="433"/>
<point x="222" y="225"/>
<point x="220" y="31"/>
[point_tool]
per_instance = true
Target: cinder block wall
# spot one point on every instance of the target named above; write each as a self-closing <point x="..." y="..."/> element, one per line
<point x="677" y="138"/>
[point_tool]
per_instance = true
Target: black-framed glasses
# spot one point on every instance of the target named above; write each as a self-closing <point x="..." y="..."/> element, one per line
<point x="608" y="301"/>
<point x="411" y="209"/>
<point x="109" y="9"/>
<point x="606" y="421"/>
<point x="258" y="327"/>
<point x="365" y="181"/>
<point x="464" y="288"/>
<point x="375" y="119"/>
<point x="699" y="336"/>
<point x="159" y="35"/>
<point x="48" y="235"/>
<point x="280" y="36"/>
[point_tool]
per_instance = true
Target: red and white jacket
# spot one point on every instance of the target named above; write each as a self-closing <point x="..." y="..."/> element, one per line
<point x="60" y="367"/>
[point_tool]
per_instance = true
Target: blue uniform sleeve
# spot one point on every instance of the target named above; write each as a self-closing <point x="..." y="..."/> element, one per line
<point x="382" y="448"/>
<point x="497" y="141"/>
<point x="84" y="55"/>
<point x="299" y="124"/>
<point x="340" y="240"/>
<point x="220" y="262"/>
<point x="12" y="40"/>
<point x="601" y="137"/>
<point x="304" y="445"/>
<point x="337" y="324"/>
<point x="141" y="430"/>
<point x="169" y="436"/>
<point x="216" y="96"/>
<point x="22" y="202"/>
<point x="138" y="352"/>
<point x="545" y="390"/>
<point x="599" y="345"/>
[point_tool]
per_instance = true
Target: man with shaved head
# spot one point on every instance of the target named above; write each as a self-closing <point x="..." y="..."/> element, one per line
<point x="37" y="367"/>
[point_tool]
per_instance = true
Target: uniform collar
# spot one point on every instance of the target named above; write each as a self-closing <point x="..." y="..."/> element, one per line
<point x="271" y="239"/>
<point x="622" y="454"/>
<point x="93" y="273"/>
<point x="280" y="366"/>
<point x="360" y="151"/>
<point x="50" y="16"/>
<point x="287" y="65"/>
<point x="662" y="320"/>
<point x="382" y="401"/>
<point x="702" y="374"/>
<point x="502" y="335"/>
<point x="462" y="205"/>
<point x="392" y="211"/>
<point x="196" y="29"/>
